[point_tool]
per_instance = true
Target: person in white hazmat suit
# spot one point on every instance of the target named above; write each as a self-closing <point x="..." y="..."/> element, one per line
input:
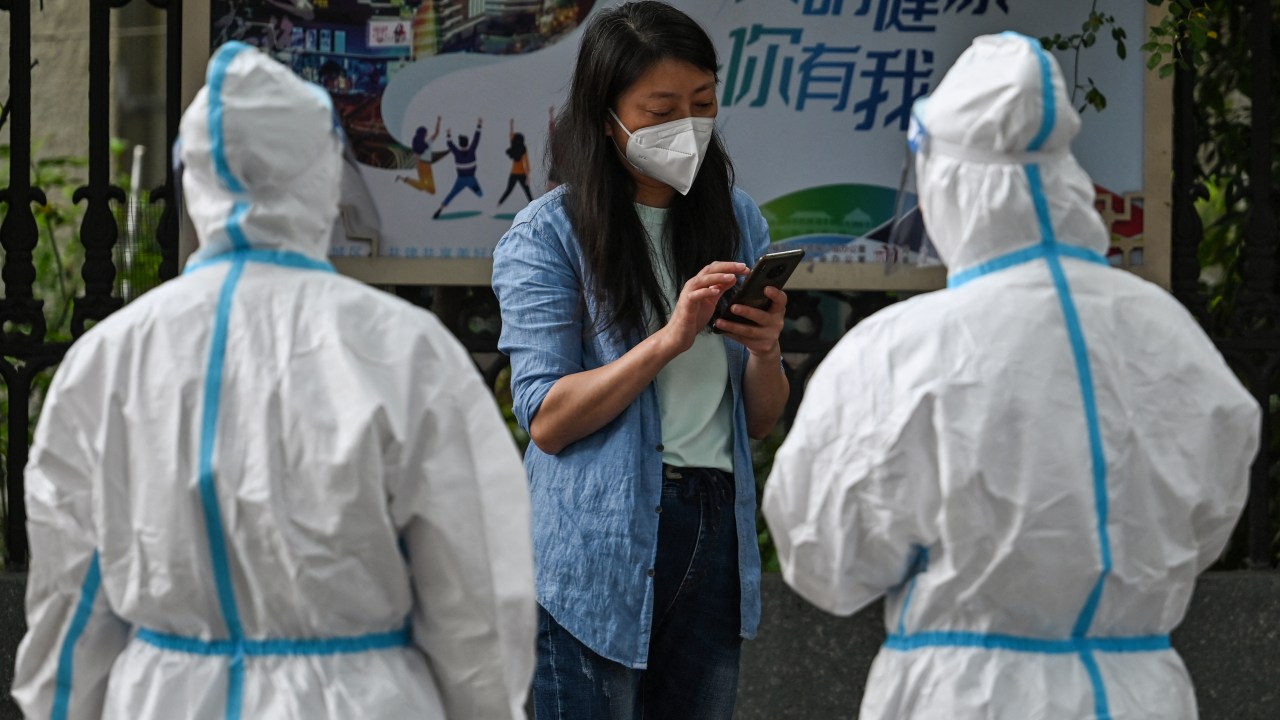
<point x="266" y="491"/>
<point x="1031" y="466"/>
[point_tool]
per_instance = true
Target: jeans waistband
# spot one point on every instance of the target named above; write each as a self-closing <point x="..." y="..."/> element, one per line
<point x="674" y="472"/>
<point x="717" y="485"/>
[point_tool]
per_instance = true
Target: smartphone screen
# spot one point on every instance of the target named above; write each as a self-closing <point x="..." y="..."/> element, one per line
<point x="771" y="270"/>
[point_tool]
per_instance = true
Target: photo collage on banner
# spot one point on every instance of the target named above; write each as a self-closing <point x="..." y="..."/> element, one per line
<point x="447" y="105"/>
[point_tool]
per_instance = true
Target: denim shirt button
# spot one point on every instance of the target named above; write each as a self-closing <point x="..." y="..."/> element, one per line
<point x="659" y="447"/>
<point x="658" y="509"/>
<point x="650" y="572"/>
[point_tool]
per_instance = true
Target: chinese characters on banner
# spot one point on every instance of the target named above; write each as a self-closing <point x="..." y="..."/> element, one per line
<point x="815" y="100"/>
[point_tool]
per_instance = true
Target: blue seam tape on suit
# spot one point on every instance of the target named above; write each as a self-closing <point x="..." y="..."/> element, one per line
<point x="213" y="383"/>
<point x="67" y="654"/>
<point x="235" y="226"/>
<point x="208" y="491"/>
<point x="1100" y="709"/>
<point x="1053" y="252"/>
<point x="1084" y="375"/>
<point x="1018" y="643"/>
<point x="279" y="258"/>
<point x="278" y="647"/>
<point x="217" y="138"/>
<point x="919" y="563"/>
<point x="1022" y="257"/>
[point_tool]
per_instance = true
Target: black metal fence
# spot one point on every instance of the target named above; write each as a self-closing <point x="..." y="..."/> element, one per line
<point x="1249" y="334"/>
<point x="1250" y="339"/>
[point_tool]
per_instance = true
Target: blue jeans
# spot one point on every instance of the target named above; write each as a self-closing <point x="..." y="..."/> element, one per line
<point x="463" y="182"/>
<point x="695" y="643"/>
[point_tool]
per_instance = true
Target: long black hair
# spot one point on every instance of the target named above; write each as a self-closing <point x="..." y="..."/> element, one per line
<point x="517" y="149"/>
<point x="619" y="46"/>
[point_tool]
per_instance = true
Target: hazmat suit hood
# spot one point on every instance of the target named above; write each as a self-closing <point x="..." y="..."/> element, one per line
<point x="262" y="156"/>
<point x="1002" y="106"/>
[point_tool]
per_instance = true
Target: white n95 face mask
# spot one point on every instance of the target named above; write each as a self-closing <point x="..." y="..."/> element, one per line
<point x="671" y="152"/>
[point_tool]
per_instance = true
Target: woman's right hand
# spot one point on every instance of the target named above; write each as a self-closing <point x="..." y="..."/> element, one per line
<point x="697" y="301"/>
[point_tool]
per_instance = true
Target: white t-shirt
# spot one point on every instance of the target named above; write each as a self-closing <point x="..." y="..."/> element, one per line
<point x="693" y="389"/>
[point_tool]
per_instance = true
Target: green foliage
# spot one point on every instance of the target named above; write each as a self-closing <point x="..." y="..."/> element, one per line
<point x="762" y="453"/>
<point x="57" y="258"/>
<point x="1190" y="31"/>
<point x="502" y="393"/>
<point x="59" y="255"/>
<point x="1211" y="38"/>
<point x="1220" y="250"/>
<point x="1095" y="25"/>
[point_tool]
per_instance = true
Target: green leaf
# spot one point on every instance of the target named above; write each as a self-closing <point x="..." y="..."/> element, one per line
<point x="1166" y="71"/>
<point x="1120" y="50"/>
<point x="1096" y="98"/>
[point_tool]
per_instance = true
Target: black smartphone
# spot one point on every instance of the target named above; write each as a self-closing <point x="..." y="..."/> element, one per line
<point x="771" y="270"/>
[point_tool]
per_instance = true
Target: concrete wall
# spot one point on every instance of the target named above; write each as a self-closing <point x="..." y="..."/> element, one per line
<point x="812" y="666"/>
<point x="59" y="83"/>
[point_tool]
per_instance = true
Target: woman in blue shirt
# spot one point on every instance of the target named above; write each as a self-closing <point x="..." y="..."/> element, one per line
<point x="643" y="494"/>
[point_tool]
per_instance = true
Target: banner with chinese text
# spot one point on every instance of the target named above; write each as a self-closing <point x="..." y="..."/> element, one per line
<point x="439" y="96"/>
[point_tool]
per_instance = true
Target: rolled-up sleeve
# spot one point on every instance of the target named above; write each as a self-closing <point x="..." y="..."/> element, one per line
<point x="542" y="308"/>
<point x="755" y="229"/>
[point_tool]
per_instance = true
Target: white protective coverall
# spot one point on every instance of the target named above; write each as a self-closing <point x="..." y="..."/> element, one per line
<point x="1032" y="465"/>
<point x="264" y="490"/>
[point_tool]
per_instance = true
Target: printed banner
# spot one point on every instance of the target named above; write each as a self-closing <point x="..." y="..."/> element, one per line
<point x="448" y="105"/>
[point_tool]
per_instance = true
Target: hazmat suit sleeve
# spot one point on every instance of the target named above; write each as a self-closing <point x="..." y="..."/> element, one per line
<point x="853" y="487"/>
<point x="1224" y="462"/>
<point x="462" y="509"/>
<point x="73" y="637"/>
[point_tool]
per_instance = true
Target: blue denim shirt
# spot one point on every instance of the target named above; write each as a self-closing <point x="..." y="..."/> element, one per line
<point x="595" y="517"/>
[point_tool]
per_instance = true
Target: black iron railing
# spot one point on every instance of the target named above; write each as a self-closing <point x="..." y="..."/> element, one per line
<point x="1249" y="335"/>
<point x="25" y="345"/>
<point x="1249" y="338"/>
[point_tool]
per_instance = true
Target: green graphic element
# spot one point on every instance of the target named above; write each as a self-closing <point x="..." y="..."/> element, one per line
<point x="849" y="211"/>
<point x="459" y="215"/>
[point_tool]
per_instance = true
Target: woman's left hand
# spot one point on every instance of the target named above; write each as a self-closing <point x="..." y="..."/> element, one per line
<point x="762" y="338"/>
